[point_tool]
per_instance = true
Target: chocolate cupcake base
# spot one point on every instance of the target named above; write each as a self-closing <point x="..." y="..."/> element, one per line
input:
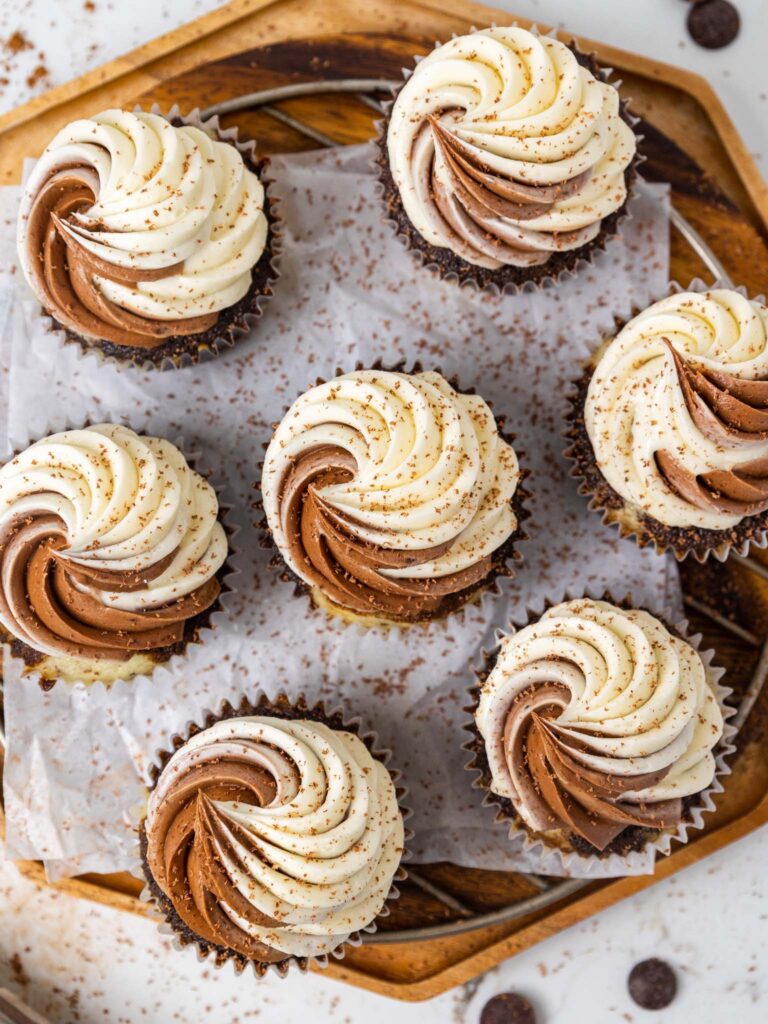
<point x="450" y="267"/>
<point x="279" y="707"/>
<point x="561" y="852"/>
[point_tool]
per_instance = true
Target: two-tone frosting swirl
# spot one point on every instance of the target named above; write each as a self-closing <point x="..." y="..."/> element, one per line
<point x="109" y="544"/>
<point x="133" y="231"/>
<point x="390" y="492"/>
<point x="273" y="837"/>
<point x="505" y="149"/>
<point x="595" y="719"/>
<point x="677" y="410"/>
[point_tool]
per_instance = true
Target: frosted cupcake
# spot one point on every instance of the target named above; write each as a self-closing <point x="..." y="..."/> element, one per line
<point x="392" y="497"/>
<point x="147" y="240"/>
<point x="111" y="554"/>
<point x="506" y="158"/>
<point x="595" y="728"/>
<point x="272" y="836"/>
<point x="669" y="430"/>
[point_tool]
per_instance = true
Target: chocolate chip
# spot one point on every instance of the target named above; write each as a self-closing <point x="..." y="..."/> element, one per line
<point x="508" y="1008"/>
<point x="713" y="23"/>
<point x="652" y="984"/>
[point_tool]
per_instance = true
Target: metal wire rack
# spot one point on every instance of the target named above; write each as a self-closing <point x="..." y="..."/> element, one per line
<point x="373" y="93"/>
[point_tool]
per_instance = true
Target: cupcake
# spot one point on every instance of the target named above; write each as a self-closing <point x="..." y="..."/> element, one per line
<point x="669" y="428"/>
<point x="111" y="554"/>
<point x="391" y="497"/>
<point x="594" y="729"/>
<point x="148" y="240"/>
<point x="506" y="158"/>
<point x="272" y="835"/>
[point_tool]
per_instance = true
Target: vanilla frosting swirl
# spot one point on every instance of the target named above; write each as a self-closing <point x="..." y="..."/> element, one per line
<point x="505" y="149"/>
<point x="132" y="230"/>
<point x="389" y="491"/>
<point x="274" y="837"/>
<point x="677" y="410"/>
<point x="109" y="543"/>
<point x="596" y="718"/>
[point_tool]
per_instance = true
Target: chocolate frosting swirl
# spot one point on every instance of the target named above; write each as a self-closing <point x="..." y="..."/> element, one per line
<point x="725" y="410"/>
<point x="109" y="544"/>
<point x="505" y="149"/>
<point x="389" y="493"/>
<point x="133" y="231"/>
<point x="596" y="719"/>
<point x="677" y="410"/>
<point x="274" y="838"/>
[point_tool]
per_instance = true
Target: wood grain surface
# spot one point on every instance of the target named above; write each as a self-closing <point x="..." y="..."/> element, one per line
<point x="688" y="141"/>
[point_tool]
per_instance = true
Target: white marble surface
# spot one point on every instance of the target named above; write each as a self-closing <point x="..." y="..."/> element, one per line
<point x="77" y="962"/>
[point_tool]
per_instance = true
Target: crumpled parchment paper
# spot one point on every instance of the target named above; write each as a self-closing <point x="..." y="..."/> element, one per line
<point x="77" y="756"/>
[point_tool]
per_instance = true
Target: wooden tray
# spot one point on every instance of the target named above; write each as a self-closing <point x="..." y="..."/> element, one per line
<point x="482" y="917"/>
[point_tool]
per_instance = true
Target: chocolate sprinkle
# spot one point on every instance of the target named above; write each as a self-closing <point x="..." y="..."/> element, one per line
<point x="508" y="1008"/>
<point x="652" y="984"/>
<point x="713" y="23"/>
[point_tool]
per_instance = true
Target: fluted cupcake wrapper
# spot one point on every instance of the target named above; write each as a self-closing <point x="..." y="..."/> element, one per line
<point x="548" y="859"/>
<point x="281" y="706"/>
<point x="236" y="321"/>
<point x="683" y="542"/>
<point x="507" y="280"/>
<point x="206" y="622"/>
<point x="508" y="554"/>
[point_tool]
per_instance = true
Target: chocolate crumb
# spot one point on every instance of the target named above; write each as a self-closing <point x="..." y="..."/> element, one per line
<point x="39" y="74"/>
<point x="16" y="43"/>
<point x="20" y="976"/>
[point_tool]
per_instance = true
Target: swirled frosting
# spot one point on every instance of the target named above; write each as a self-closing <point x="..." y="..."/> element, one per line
<point x="505" y="149"/>
<point x="390" y="492"/>
<point x="677" y="410"/>
<point x="133" y="231"/>
<point x="273" y="837"/>
<point x="109" y="544"/>
<point x="595" y="719"/>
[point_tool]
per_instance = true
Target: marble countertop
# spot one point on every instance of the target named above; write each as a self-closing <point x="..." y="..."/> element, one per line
<point x="77" y="962"/>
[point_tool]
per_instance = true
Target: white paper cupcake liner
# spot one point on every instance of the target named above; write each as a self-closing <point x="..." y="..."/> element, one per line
<point x="614" y="517"/>
<point x="423" y="259"/>
<point x="228" y="593"/>
<point x="337" y="718"/>
<point x="391" y="628"/>
<point x="246" y="321"/>
<point x="551" y="860"/>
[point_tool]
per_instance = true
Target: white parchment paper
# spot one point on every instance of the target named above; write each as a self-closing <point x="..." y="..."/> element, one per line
<point x="77" y="756"/>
